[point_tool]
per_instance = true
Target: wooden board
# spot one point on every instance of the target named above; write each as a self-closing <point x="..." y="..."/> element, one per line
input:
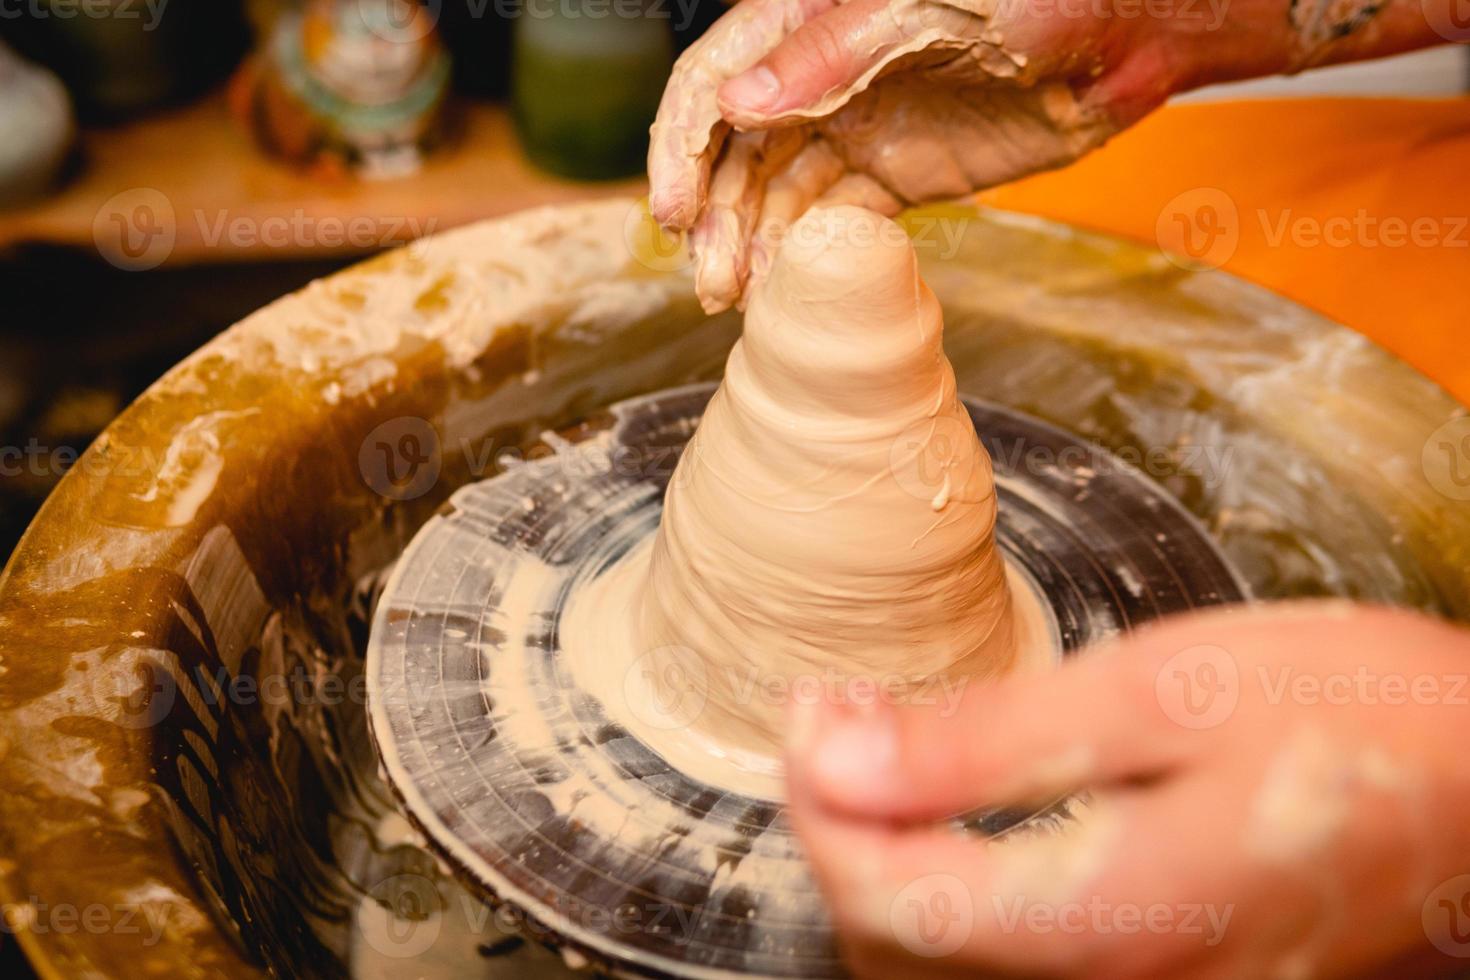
<point x="196" y="170"/>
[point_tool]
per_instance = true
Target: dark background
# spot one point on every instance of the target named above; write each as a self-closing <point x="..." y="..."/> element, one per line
<point x="80" y="339"/>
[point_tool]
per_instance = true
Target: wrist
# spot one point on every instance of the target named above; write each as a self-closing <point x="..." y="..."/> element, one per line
<point x="1234" y="40"/>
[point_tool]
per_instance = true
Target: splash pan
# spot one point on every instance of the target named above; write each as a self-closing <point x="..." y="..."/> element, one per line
<point x="183" y="630"/>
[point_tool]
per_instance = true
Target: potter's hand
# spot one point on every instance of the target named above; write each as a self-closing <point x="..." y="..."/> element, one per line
<point x="1274" y="794"/>
<point x="885" y="103"/>
<point x="969" y="95"/>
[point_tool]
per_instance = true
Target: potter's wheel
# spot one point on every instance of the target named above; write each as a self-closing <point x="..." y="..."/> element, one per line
<point x="1315" y="460"/>
<point x="522" y="783"/>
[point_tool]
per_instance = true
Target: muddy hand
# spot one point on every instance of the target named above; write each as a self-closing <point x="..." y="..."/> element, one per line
<point x="882" y="103"/>
<point x="1276" y="793"/>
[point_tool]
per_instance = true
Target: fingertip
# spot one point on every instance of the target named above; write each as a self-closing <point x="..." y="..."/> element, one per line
<point x="752" y="93"/>
<point x="717" y="289"/>
<point x="718" y="276"/>
<point x="845" y="761"/>
<point x="672" y="207"/>
<point x="816" y="68"/>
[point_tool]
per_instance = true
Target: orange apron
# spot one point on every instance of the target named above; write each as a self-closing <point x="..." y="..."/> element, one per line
<point x="1358" y="208"/>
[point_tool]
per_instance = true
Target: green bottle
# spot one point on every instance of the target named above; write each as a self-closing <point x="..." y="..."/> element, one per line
<point x="587" y="76"/>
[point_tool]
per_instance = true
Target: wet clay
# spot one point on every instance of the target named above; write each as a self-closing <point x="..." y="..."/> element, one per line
<point x="831" y="523"/>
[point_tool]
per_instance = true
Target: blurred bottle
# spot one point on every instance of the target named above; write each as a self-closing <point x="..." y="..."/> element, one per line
<point x="586" y="80"/>
<point x="36" y="129"/>
<point x="349" y="86"/>
<point x="121" y="57"/>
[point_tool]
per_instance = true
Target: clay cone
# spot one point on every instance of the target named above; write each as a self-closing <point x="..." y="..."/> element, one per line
<point x="833" y="518"/>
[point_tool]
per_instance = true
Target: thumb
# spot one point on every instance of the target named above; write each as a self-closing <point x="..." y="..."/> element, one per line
<point x="819" y="67"/>
<point x="1098" y="719"/>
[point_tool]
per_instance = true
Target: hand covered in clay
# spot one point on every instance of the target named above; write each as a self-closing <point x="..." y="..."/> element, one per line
<point x="1278" y="793"/>
<point x="880" y="103"/>
<point x="886" y="103"/>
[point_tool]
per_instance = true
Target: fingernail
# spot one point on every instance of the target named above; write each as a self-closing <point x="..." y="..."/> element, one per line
<point x="758" y="88"/>
<point x="855" y="757"/>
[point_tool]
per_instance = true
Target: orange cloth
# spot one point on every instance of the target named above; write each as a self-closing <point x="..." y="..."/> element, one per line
<point x="1358" y="208"/>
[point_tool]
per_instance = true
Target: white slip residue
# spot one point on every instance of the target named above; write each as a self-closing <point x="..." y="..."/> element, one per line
<point x="191" y="467"/>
